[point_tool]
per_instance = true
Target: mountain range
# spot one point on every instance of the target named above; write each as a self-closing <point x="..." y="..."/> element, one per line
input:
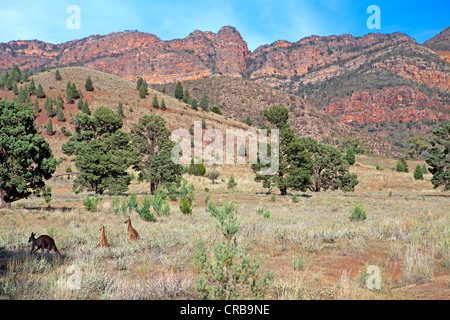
<point x="373" y="82"/>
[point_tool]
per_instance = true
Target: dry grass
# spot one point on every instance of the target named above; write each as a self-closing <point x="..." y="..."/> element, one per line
<point x="406" y="235"/>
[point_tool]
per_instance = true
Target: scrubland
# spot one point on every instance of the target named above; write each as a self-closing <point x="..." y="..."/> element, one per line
<point x="312" y="248"/>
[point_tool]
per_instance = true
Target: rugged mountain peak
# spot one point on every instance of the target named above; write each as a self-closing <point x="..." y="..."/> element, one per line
<point x="441" y="44"/>
<point x="232" y="52"/>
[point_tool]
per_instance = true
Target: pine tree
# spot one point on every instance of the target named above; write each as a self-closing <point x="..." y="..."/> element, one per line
<point x="75" y="91"/>
<point x="103" y="152"/>
<point x="204" y="102"/>
<point x="32" y="87"/>
<point x="232" y="182"/>
<point x="23" y="94"/>
<point x="152" y="138"/>
<point x="439" y="157"/>
<point x="16" y="74"/>
<point x="294" y="161"/>
<point x="163" y="105"/>
<point x="59" y="102"/>
<point x="60" y="114"/>
<point x="203" y="123"/>
<point x="120" y="110"/>
<point x="26" y="161"/>
<point x="186" y="96"/>
<point x="400" y="167"/>
<point x="330" y="168"/>
<point x="50" y="111"/>
<point x="26" y="76"/>
<point x="8" y="82"/>
<point x="405" y="165"/>
<point x="179" y="91"/>
<point x="40" y="91"/>
<point x="248" y="121"/>
<point x="88" y="84"/>
<point x="155" y="102"/>
<point x="57" y="75"/>
<point x="36" y="108"/>
<point x="139" y="83"/>
<point x="350" y="156"/>
<point x="49" y="127"/>
<point x="142" y="91"/>
<point x="80" y="104"/>
<point x="69" y="93"/>
<point x="418" y="174"/>
<point x="424" y="169"/>
<point x="15" y="90"/>
<point x="194" y="104"/>
<point x="85" y="108"/>
<point x="28" y="102"/>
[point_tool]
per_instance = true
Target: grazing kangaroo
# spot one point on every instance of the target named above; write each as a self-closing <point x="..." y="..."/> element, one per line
<point x="132" y="233"/>
<point x="43" y="242"/>
<point x="103" y="240"/>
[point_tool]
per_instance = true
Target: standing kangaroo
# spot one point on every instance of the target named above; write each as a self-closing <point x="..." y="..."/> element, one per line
<point x="43" y="242"/>
<point x="132" y="233"/>
<point x="103" y="239"/>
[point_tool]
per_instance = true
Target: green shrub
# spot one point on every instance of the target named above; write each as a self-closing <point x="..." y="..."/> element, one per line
<point x="186" y="191"/>
<point x="160" y="204"/>
<point x="216" y="110"/>
<point x="418" y="174"/>
<point x="232" y="182"/>
<point x="213" y="175"/>
<point x="132" y="202"/>
<point x="144" y="211"/>
<point x="259" y="211"/>
<point x="424" y="169"/>
<point x="91" y="204"/>
<point x="267" y="214"/>
<point x="65" y="132"/>
<point x="401" y="166"/>
<point x="185" y="206"/>
<point x="294" y="197"/>
<point x="273" y="198"/>
<point x="298" y="263"/>
<point x="350" y="156"/>
<point x="358" y="213"/>
<point x="172" y="192"/>
<point x="225" y="273"/>
<point x="207" y="198"/>
<point x="197" y="169"/>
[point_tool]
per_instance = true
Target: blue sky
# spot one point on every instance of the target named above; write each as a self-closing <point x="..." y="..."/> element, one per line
<point x="259" y="22"/>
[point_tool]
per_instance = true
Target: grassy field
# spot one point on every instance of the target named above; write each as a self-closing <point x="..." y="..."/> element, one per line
<point x="311" y="246"/>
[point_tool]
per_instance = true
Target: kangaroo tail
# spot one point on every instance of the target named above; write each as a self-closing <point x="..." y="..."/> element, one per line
<point x="56" y="249"/>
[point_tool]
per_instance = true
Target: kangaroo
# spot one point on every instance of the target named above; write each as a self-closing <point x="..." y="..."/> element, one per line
<point x="103" y="240"/>
<point x="132" y="233"/>
<point x="43" y="242"/>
